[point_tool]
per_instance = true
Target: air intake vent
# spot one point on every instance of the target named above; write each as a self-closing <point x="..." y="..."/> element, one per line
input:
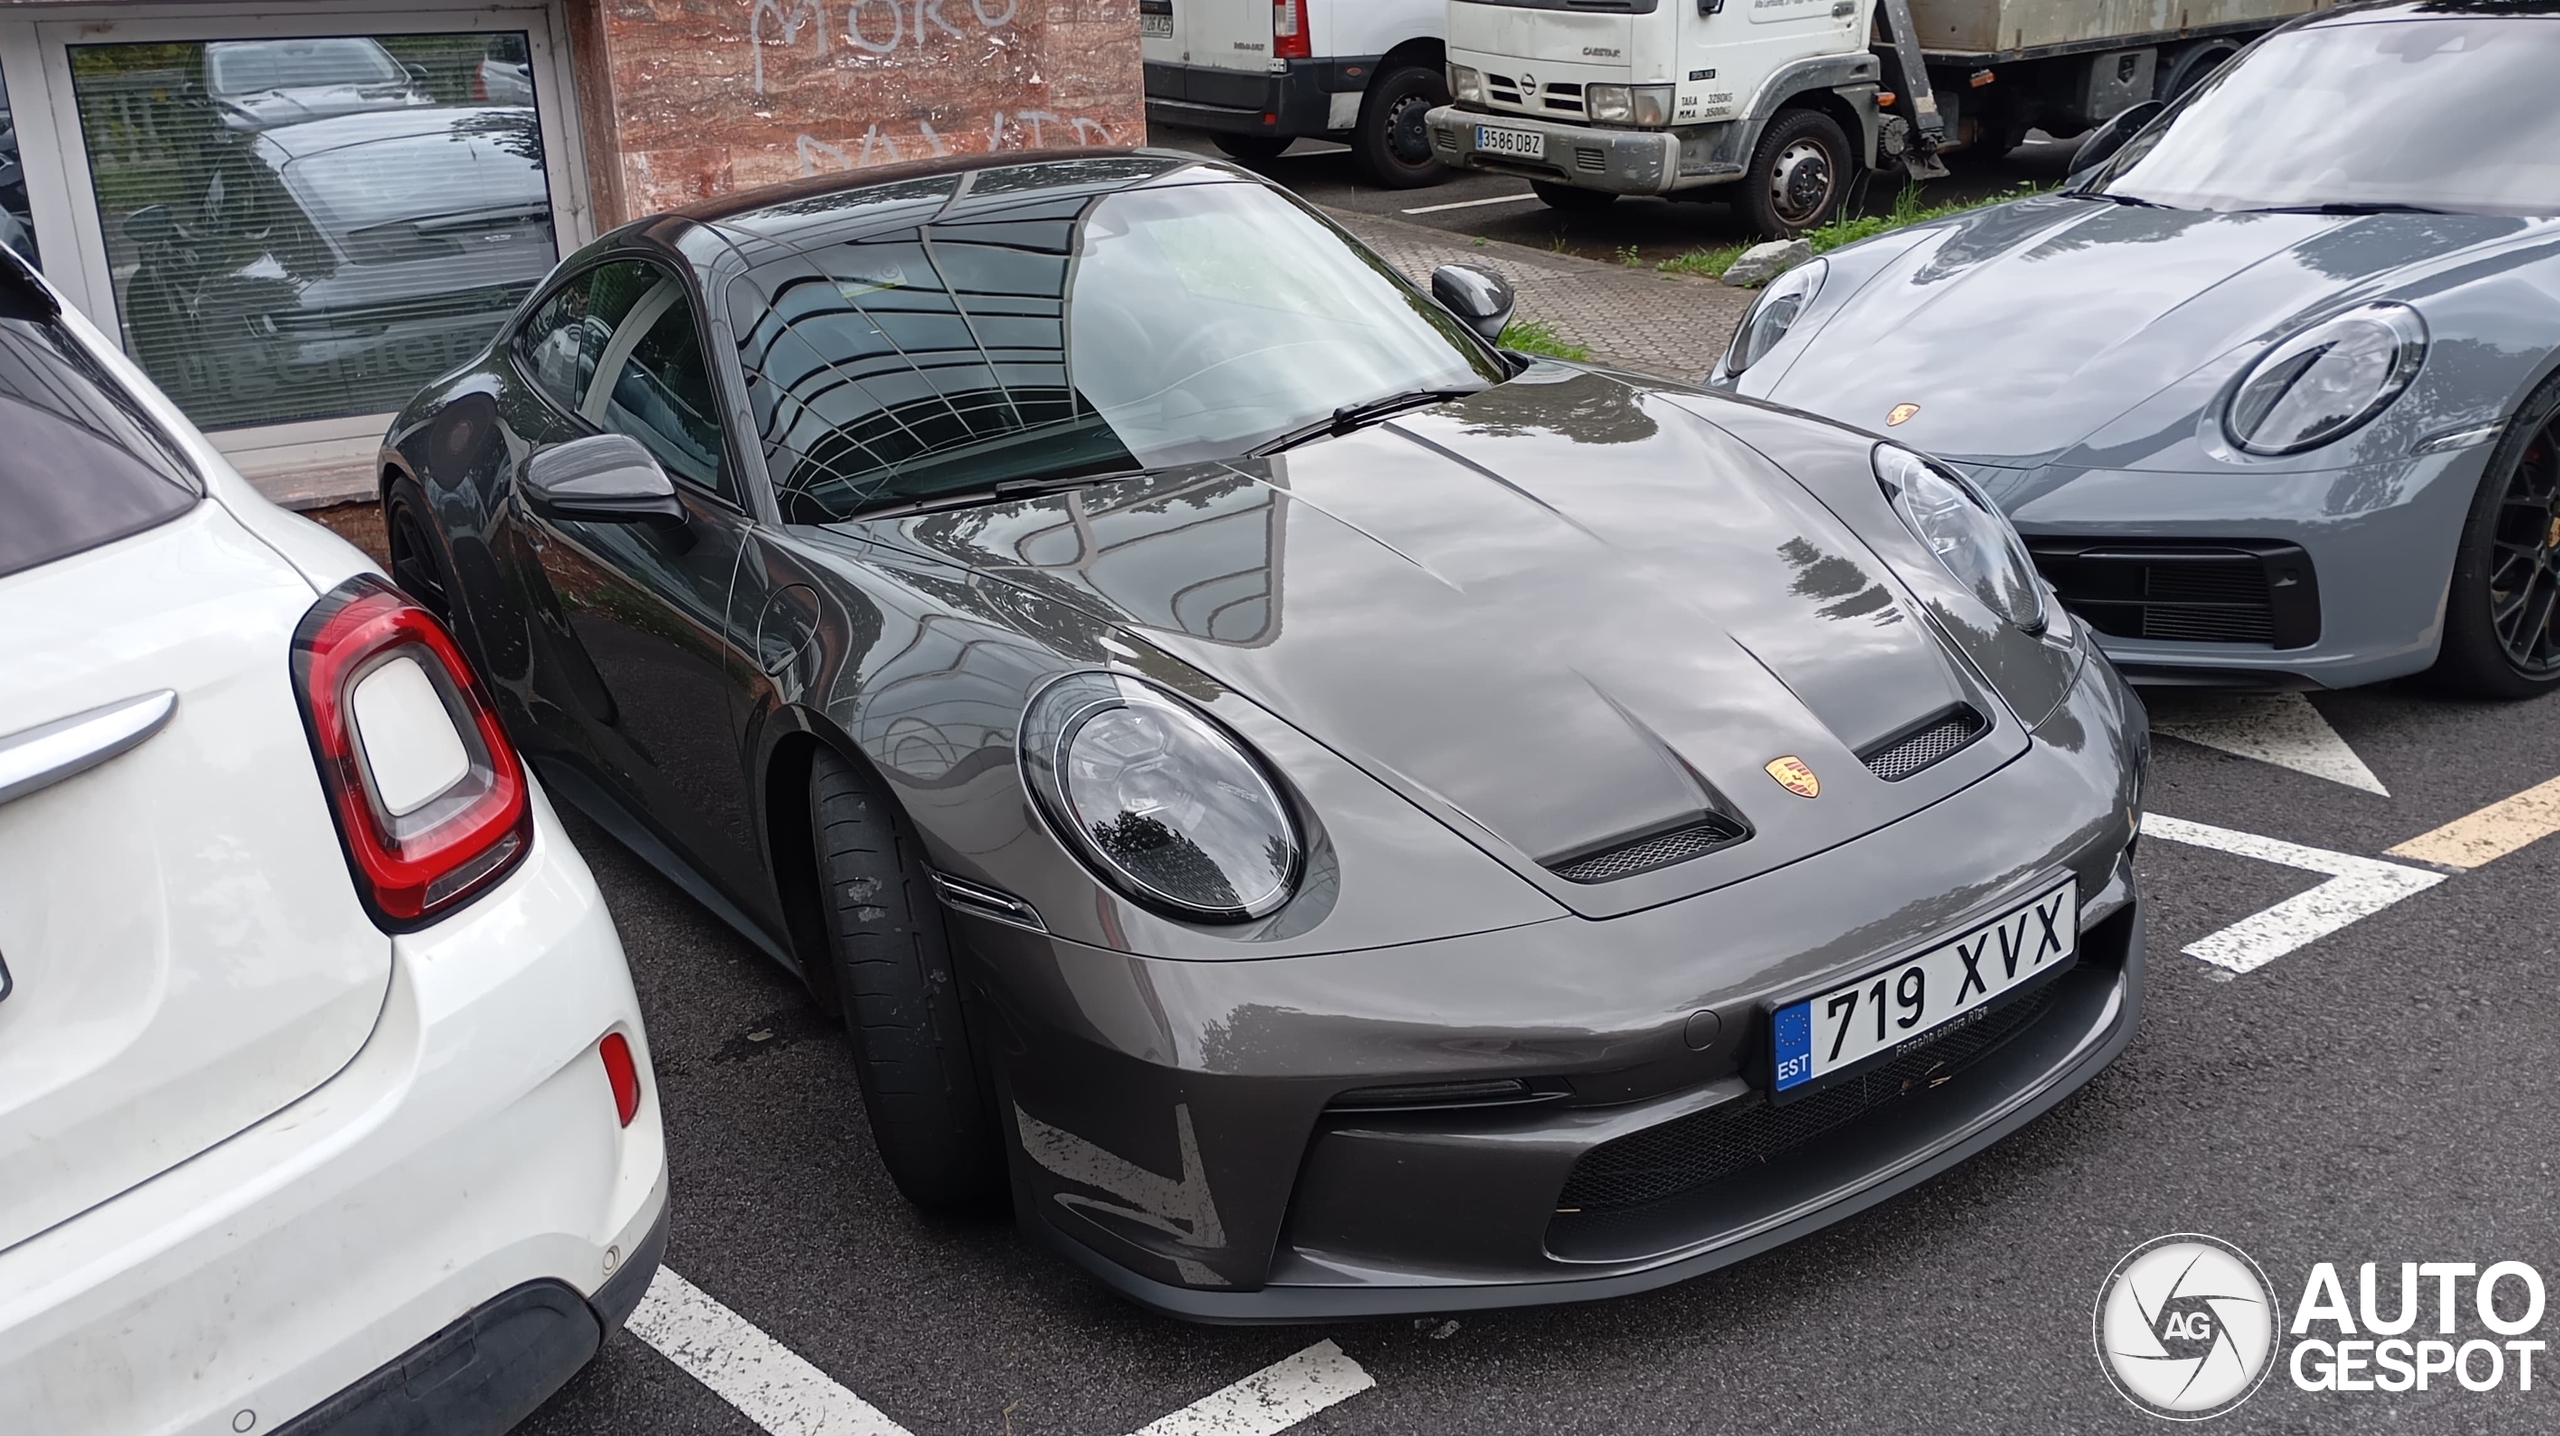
<point x="1934" y="741"/>
<point x="2225" y="591"/>
<point x="1590" y="161"/>
<point x="1625" y="860"/>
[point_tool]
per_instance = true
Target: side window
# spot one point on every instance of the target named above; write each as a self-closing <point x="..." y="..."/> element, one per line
<point x="566" y="338"/>
<point x="662" y="394"/>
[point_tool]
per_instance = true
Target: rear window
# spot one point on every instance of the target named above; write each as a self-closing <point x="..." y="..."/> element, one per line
<point x="80" y="463"/>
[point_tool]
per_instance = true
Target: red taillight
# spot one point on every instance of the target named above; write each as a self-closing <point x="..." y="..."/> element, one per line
<point x="438" y="809"/>
<point x="623" y="1072"/>
<point x="1289" y="38"/>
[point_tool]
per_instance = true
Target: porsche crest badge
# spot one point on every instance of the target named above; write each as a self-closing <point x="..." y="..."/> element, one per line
<point x="1899" y="415"/>
<point x="1796" y="776"/>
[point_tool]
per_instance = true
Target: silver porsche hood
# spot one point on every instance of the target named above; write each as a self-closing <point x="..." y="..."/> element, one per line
<point x="1567" y="613"/>
<point x="2097" y="308"/>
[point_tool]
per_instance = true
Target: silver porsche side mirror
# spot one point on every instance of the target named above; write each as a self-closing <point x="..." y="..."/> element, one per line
<point x="2109" y="137"/>
<point x="604" y="478"/>
<point x="1477" y="295"/>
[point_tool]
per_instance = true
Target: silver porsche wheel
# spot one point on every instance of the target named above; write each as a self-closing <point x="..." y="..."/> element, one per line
<point x="2524" y="578"/>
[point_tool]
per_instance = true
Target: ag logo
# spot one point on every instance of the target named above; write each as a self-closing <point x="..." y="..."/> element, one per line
<point x="1796" y="776"/>
<point x="2185" y="1327"/>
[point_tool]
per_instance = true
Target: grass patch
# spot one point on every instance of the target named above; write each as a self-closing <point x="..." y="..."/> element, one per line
<point x="1537" y="336"/>
<point x="1711" y="263"/>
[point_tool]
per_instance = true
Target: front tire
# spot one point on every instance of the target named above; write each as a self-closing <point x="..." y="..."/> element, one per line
<point x="2502" y="613"/>
<point x="930" y="1117"/>
<point x="1252" y="149"/>
<point x="1391" y="143"/>
<point x="1799" y="177"/>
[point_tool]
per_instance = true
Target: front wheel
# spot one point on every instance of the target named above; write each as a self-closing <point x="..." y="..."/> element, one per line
<point x="1798" y="177"/>
<point x="935" y="1128"/>
<point x="1570" y="200"/>
<point x="1391" y="143"/>
<point x="2502" y="614"/>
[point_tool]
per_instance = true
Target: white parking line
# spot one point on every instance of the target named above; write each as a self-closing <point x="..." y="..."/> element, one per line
<point x="2283" y="729"/>
<point x="1473" y="203"/>
<point x="776" y="1388"/>
<point x="2357" y="888"/>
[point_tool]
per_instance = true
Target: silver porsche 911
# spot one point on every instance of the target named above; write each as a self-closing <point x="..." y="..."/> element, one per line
<point x="2270" y="391"/>
<point x="1329" y="816"/>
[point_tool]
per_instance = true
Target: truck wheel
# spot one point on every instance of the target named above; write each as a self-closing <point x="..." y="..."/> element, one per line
<point x="1252" y="149"/>
<point x="1570" y="200"/>
<point x="1391" y="144"/>
<point x="2502" y="615"/>
<point x="1798" y="176"/>
<point x="929" y="1113"/>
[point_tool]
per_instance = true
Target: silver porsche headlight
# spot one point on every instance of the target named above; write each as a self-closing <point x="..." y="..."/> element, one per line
<point x="2324" y="382"/>
<point x="1966" y="531"/>
<point x="1773" y="314"/>
<point x="1164" y="805"/>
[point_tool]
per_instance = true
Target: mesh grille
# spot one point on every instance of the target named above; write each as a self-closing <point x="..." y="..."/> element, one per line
<point x="1591" y="160"/>
<point x="1933" y="744"/>
<point x="1645" y="854"/>
<point x="1704" y="1147"/>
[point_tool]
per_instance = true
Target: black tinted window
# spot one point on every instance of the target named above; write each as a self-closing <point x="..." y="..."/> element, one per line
<point x="662" y="396"/>
<point x="80" y="464"/>
<point x="565" y="339"/>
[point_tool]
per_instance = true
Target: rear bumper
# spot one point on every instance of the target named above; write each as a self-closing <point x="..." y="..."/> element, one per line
<point x="1287" y="103"/>
<point x="467" y="1156"/>
<point x="1584" y="156"/>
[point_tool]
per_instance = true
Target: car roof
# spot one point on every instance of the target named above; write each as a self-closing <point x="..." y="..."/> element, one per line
<point x="310" y="137"/>
<point x="2355" y="12"/>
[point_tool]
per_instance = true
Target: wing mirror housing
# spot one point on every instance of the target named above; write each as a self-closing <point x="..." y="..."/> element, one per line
<point x="604" y="478"/>
<point x="1478" y="296"/>
<point x="2110" y="136"/>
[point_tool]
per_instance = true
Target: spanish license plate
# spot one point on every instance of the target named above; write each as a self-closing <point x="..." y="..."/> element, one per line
<point x="1525" y="144"/>
<point x="1952" y="985"/>
<point x="1155" y="27"/>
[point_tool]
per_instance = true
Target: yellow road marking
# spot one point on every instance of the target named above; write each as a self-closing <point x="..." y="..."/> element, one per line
<point x="2491" y="833"/>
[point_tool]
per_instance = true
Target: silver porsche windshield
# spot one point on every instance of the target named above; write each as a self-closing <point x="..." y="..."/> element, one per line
<point x="2451" y="112"/>
<point x="1149" y="326"/>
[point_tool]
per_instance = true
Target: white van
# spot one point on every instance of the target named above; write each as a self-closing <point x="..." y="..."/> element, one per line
<point x="1260" y="73"/>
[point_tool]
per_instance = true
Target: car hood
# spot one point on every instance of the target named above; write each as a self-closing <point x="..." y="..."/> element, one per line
<point x="2022" y="329"/>
<point x="1561" y="615"/>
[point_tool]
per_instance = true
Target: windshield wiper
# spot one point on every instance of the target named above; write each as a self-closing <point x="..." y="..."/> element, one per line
<point x="2351" y="206"/>
<point x="2136" y="201"/>
<point x="1352" y="416"/>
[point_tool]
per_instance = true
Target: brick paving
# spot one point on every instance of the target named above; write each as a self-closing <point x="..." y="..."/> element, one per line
<point x="1669" y="324"/>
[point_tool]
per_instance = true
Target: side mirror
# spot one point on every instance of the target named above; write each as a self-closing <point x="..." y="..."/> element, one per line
<point x="1477" y="295"/>
<point x="2109" y="137"/>
<point x="417" y="73"/>
<point x="151" y="225"/>
<point x="605" y="478"/>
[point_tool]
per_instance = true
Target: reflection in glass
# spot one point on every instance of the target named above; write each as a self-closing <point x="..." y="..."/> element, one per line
<point x="17" y="220"/>
<point x="303" y="228"/>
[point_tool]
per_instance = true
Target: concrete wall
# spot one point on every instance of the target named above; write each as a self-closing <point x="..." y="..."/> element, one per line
<point x="690" y="98"/>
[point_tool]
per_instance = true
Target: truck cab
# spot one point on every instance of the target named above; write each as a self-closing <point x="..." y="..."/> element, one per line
<point x="1594" y="100"/>
<point x="1259" y="74"/>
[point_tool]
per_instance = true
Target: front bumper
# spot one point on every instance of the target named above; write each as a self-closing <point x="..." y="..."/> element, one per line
<point x="2379" y="538"/>
<point x="1179" y="1135"/>
<point x="1287" y="103"/>
<point x="1584" y="156"/>
<point x="467" y="1153"/>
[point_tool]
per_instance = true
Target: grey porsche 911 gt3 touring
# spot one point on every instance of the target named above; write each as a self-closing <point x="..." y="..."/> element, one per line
<point x="1329" y="817"/>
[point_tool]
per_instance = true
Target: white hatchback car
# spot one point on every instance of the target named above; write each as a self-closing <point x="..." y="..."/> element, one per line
<point x="324" y="1102"/>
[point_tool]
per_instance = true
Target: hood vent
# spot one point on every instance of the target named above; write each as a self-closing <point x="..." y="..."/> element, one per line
<point x="1660" y="850"/>
<point x="1926" y="744"/>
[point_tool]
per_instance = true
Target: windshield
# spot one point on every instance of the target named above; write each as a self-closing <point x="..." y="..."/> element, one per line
<point x="1149" y="327"/>
<point x="485" y="161"/>
<point x="2450" y="113"/>
<point x="249" y="67"/>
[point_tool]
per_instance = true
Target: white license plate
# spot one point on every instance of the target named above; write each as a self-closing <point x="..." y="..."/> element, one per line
<point x="1495" y="140"/>
<point x="1948" y="986"/>
<point x="1154" y="27"/>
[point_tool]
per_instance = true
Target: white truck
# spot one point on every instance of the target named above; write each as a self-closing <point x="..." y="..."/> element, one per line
<point x="1791" y="99"/>
<point x="1261" y="73"/>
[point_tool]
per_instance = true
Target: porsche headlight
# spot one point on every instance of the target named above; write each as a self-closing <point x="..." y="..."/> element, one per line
<point x="2324" y="382"/>
<point x="1466" y="84"/>
<point x="1773" y="314"/>
<point x="1161" y="803"/>
<point x="1967" y="533"/>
